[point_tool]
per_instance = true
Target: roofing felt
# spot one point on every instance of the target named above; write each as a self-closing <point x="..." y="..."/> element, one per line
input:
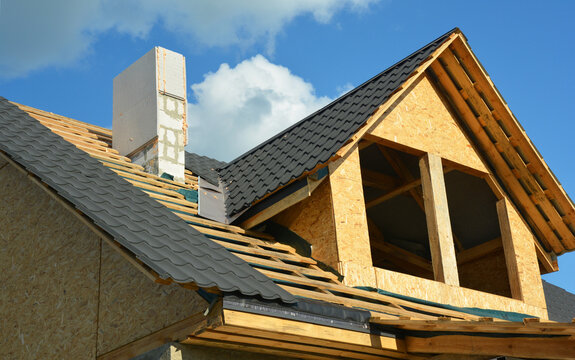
<point x="154" y="234"/>
<point x="315" y="139"/>
<point x="560" y="303"/>
<point x="204" y="166"/>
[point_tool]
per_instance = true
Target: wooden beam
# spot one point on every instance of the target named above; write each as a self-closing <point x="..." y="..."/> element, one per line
<point x="522" y="347"/>
<point x="390" y="195"/>
<point x="495" y="326"/>
<point x="509" y="250"/>
<point x="479" y="251"/>
<point x="311" y="331"/>
<point x="378" y="180"/>
<point x="296" y="347"/>
<point x="283" y="204"/>
<point x="438" y="221"/>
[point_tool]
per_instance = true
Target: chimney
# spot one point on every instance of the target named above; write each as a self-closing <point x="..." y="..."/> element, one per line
<point x="150" y="104"/>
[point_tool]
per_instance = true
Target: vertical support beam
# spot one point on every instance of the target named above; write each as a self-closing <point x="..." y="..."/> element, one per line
<point x="520" y="256"/>
<point x="438" y="221"/>
<point x="352" y="235"/>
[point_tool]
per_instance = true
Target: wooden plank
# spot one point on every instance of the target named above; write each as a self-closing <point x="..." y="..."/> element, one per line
<point x="311" y="331"/>
<point x="378" y="180"/>
<point x="535" y="219"/>
<point x="271" y="342"/>
<point x="281" y="353"/>
<point x="283" y="266"/>
<point x="509" y="250"/>
<point x="282" y="204"/>
<point x="258" y="251"/>
<point x="438" y="221"/>
<point x="523" y="347"/>
<point x="501" y="327"/>
<point x="538" y="196"/>
<point x="486" y="86"/>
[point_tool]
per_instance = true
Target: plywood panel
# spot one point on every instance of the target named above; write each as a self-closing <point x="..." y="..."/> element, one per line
<point x="422" y="121"/>
<point x="519" y="246"/>
<point x="488" y="274"/>
<point x="445" y="294"/>
<point x="48" y="275"/>
<point x="312" y="219"/>
<point x="132" y="306"/>
<point x="349" y="209"/>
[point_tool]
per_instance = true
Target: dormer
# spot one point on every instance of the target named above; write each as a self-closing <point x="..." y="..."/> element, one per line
<point x="420" y="183"/>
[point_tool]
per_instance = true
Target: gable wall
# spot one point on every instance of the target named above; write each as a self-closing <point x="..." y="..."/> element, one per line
<point x="49" y="275"/>
<point x="422" y="121"/>
<point x="57" y="288"/>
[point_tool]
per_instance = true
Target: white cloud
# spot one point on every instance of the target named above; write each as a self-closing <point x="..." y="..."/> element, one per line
<point x="38" y="33"/>
<point x="238" y="108"/>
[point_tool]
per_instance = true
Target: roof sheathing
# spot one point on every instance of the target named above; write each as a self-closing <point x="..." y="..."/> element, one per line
<point x="315" y="139"/>
<point x="160" y="239"/>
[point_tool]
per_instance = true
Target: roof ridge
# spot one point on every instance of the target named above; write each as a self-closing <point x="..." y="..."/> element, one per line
<point x="340" y="98"/>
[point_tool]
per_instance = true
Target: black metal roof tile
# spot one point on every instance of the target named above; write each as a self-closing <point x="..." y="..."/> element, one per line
<point x="248" y="178"/>
<point x="159" y="238"/>
<point x="204" y="166"/>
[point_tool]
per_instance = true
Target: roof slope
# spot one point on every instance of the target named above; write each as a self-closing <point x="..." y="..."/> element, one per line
<point x="204" y="166"/>
<point x="157" y="237"/>
<point x="315" y="139"/>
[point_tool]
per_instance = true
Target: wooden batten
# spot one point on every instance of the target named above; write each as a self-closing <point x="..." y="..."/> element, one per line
<point x="438" y="221"/>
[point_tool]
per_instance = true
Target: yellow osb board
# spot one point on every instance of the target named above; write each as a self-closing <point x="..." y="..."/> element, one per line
<point x="349" y="209"/>
<point x="526" y="258"/>
<point x="435" y="291"/>
<point x="312" y="219"/>
<point x="422" y="121"/>
<point x="488" y="273"/>
<point x="49" y="275"/>
<point x="132" y="306"/>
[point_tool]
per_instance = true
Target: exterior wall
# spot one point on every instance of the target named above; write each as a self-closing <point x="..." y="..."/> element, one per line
<point x="54" y="270"/>
<point x="312" y="219"/>
<point x="422" y="121"/>
<point x="488" y="274"/>
<point x="352" y="234"/>
<point x="132" y="306"/>
<point x="48" y="275"/>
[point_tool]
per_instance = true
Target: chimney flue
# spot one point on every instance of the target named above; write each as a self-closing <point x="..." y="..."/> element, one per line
<point x="150" y="104"/>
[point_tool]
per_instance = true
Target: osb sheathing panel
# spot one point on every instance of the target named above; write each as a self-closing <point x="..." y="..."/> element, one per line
<point x="132" y="306"/>
<point x="349" y="209"/>
<point x="526" y="258"/>
<point x="48" y="275"/>
<point x="191" y="352"/>
<point x="488" y="274"/>
<point x="312" y="219"/>
<point x="422" y="121"/>
<point x="356" y="274"/>
<point x="431" y="290"/>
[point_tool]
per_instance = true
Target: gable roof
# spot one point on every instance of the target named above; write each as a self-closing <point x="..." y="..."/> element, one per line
<point x="154" y="234"/>
<point x="315" y="139"/>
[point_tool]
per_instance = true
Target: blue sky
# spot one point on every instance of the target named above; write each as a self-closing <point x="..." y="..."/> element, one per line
<point x="270" y="56"/>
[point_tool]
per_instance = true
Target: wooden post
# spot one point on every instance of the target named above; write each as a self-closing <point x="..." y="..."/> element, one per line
<point x="520" y="256"/>
<point x="438" y="222"/>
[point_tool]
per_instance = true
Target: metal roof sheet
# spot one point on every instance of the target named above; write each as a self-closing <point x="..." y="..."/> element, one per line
<point x="154" y="234"/>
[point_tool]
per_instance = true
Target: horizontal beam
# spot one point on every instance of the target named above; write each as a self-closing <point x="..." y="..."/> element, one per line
<point x="522" y="347"/>
<point x="479" y="251"/>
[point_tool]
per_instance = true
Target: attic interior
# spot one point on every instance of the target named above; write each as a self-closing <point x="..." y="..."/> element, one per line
<point x="398" y="228"/>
